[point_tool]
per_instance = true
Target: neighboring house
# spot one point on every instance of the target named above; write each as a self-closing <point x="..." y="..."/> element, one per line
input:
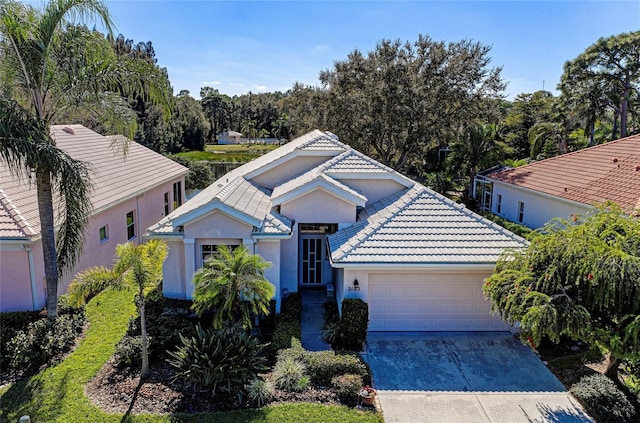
<point x="326" y="215"/>
<point x="229" y="137"/>
<point x="129" y="194"/>
<point x="568" y="184"/>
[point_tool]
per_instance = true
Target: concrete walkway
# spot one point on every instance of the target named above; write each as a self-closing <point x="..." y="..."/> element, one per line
<point x="313" y="319"/>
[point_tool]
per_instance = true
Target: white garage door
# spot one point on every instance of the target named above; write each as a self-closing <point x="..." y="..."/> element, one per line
<point x="429" y="302"/>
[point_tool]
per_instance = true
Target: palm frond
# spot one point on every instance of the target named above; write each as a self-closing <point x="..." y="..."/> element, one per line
<point x="91" y="282"/>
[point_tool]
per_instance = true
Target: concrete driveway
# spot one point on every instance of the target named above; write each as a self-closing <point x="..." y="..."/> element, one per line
<point x="465" y="377"/>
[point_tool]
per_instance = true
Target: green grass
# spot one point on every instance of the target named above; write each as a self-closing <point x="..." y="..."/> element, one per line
<point x="228" y="153"/>
<point x="57" y="394"/>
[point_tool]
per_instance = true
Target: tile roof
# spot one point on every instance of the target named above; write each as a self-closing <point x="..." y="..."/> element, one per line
<point x="234" y="186"/>
<point x="115" y="177"/>
<point x="354" y="161"/>
<point x="419" y="226"/>
<point x="318" y="177"/>
<point x="609" y="171"/>
<point x="274" y="224"/>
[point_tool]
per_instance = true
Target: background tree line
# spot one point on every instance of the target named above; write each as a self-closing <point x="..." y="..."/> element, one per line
<point x="411" y="105"/>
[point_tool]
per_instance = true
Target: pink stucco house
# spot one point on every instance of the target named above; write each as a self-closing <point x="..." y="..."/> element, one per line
<point x="326" y="215"/>
<point x="130" y="193"/>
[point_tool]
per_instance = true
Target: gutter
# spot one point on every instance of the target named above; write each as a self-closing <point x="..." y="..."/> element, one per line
<point x="32" y="275"/>
<point x="430" y="266"/>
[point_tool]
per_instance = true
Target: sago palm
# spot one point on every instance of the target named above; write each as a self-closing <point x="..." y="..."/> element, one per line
<point x="232" y="285"/>
<point x="135" y="265"/>
<point x="50" y="72"/>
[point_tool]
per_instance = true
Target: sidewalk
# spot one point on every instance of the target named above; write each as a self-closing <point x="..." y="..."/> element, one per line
<point x="313" y="319"/>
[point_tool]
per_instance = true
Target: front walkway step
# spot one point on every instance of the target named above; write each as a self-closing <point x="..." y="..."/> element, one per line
<point x="313" y="319"/>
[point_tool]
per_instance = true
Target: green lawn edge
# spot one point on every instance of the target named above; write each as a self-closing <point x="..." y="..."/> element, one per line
<point x="57" y="393"/>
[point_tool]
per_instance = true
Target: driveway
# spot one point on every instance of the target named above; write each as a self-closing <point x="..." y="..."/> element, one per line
<point x="465" y="377"/>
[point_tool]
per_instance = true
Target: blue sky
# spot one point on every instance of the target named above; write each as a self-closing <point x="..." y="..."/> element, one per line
<point x="258" y="46"/>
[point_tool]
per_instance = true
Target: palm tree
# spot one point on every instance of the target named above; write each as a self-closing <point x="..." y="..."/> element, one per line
<point x="232" y="285"/>
<point x="479" y="147"/>
<point x="50" y="72"/>
<point x="140" y="266"/>
<point x="541" y="133"/>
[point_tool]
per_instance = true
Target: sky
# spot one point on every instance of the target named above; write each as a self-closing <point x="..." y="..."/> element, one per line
<point x="266" y="46"/>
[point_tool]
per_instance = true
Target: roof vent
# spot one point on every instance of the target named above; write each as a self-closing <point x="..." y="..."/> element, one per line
<point x="637" y="168"/>
<point x="69" y="130"/>
<point x="615" y="160"/>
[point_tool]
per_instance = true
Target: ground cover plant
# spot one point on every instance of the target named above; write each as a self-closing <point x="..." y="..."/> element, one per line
<point x="57" y="394"/>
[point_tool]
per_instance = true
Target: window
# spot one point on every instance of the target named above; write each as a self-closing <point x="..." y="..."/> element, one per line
<point x="209" y="251"/>
<point x="499" y="204"/>
<point x="520" y="211"/>
<point x="131" y="225"/>
<point x="104" y="233"/>
<point x="166" y="203"/>
<point x="177" y="195"/>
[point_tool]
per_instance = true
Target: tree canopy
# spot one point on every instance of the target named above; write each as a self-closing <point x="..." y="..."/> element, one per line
<point x="579" y="277"/>
<point x="605" y="76"/>
<point x="404" y="97"/>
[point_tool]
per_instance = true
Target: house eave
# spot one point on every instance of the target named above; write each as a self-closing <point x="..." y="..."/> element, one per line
<point x="430" y="266"/>
<point x="539" y="193"/>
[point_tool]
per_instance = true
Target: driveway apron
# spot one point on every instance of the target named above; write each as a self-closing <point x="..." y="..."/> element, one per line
<point x="465" y="377"/>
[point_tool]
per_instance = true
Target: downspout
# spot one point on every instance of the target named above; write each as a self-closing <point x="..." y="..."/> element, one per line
<point x="32" y="275"/>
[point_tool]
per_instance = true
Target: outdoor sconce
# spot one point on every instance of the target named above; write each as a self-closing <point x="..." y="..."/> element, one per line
<point x="356" y="286"/>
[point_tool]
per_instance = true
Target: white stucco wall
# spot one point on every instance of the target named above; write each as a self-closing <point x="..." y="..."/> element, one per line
<point x="538" y="208"/>
<point x="293" y="167"/>
<point x="270" y="251"/>
<point x="373" y="189"/>
<point x="319" y="206"/>
<point x="217" y="225"/>
<point x="289" y="262"/>
<point x="174" y="283"/>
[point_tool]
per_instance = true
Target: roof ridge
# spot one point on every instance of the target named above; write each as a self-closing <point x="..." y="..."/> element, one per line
<point x="15" y="214"/>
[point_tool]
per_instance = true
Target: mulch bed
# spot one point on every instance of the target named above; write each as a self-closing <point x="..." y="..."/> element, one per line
<point x="117" y="391"/>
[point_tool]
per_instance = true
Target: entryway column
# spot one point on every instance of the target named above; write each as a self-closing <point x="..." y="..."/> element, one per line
<point x="189" y="265"/>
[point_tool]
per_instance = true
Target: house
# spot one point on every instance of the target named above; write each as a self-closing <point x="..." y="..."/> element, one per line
<point x="129" y="194"/>
<point x="230" y="137"/>
<point x="324" y="215"/>
<point x="568" y="184"/>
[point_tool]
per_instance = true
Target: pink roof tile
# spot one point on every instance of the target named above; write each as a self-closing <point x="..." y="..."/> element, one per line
<point x="609" y="171"/>
<point x="115" y="177"/>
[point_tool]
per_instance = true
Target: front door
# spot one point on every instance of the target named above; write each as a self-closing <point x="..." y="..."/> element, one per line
<point x="312" y="251"/>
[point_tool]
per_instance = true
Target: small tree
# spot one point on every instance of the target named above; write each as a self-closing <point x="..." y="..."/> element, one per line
<point x="232" y="285"/>
<point x="579" y="277"/>
<point x="137" y="265"/>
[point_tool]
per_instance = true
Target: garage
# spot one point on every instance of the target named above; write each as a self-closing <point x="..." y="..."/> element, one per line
<point x="428" y="301"/>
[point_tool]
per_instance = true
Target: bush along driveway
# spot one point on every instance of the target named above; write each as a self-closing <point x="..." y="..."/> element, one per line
<point x="57" y="393"/>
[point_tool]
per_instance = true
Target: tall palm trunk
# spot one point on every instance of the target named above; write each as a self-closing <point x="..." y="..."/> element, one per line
<point x="145" y="371"/>
<point x="611" y="370"/>
<point x="47" y="229"/>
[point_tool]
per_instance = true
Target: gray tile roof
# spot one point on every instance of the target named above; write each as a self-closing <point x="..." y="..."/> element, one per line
<point x="353" y="161"/>
<point x="234" y="187"/>
<point x="309" y="177"/>
<point x="274" y="224"/>
<point x="115" y="177"/>
<point x="419" y="226"/>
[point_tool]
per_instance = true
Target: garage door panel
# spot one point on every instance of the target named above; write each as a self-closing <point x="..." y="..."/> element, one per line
<point x="429" y="302"/>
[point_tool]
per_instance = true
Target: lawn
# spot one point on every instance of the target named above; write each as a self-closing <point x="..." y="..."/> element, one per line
<point x="57" y="394"/>
<point x="229" y="153"/>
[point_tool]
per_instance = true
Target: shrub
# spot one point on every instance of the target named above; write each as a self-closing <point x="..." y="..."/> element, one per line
<point x="603" y="400"/>
<point x="285" y="329"/>
<point x="354" y="323"/>
<point x="39" y="344"/>
<point x="331" y="333"/>
<point x="219" y="360"/>
<point x="289" y="375"/>
<point x="129" y="352"/>
<point x="331" y="314"/>
<point x="292" y="306"/>
<point x="260" y="391"/>
<point x="322" y="366"/>
<point x="347" y="387"/>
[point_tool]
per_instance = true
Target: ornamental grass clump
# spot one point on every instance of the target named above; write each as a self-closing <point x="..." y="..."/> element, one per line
<point x="289" y="375"/>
